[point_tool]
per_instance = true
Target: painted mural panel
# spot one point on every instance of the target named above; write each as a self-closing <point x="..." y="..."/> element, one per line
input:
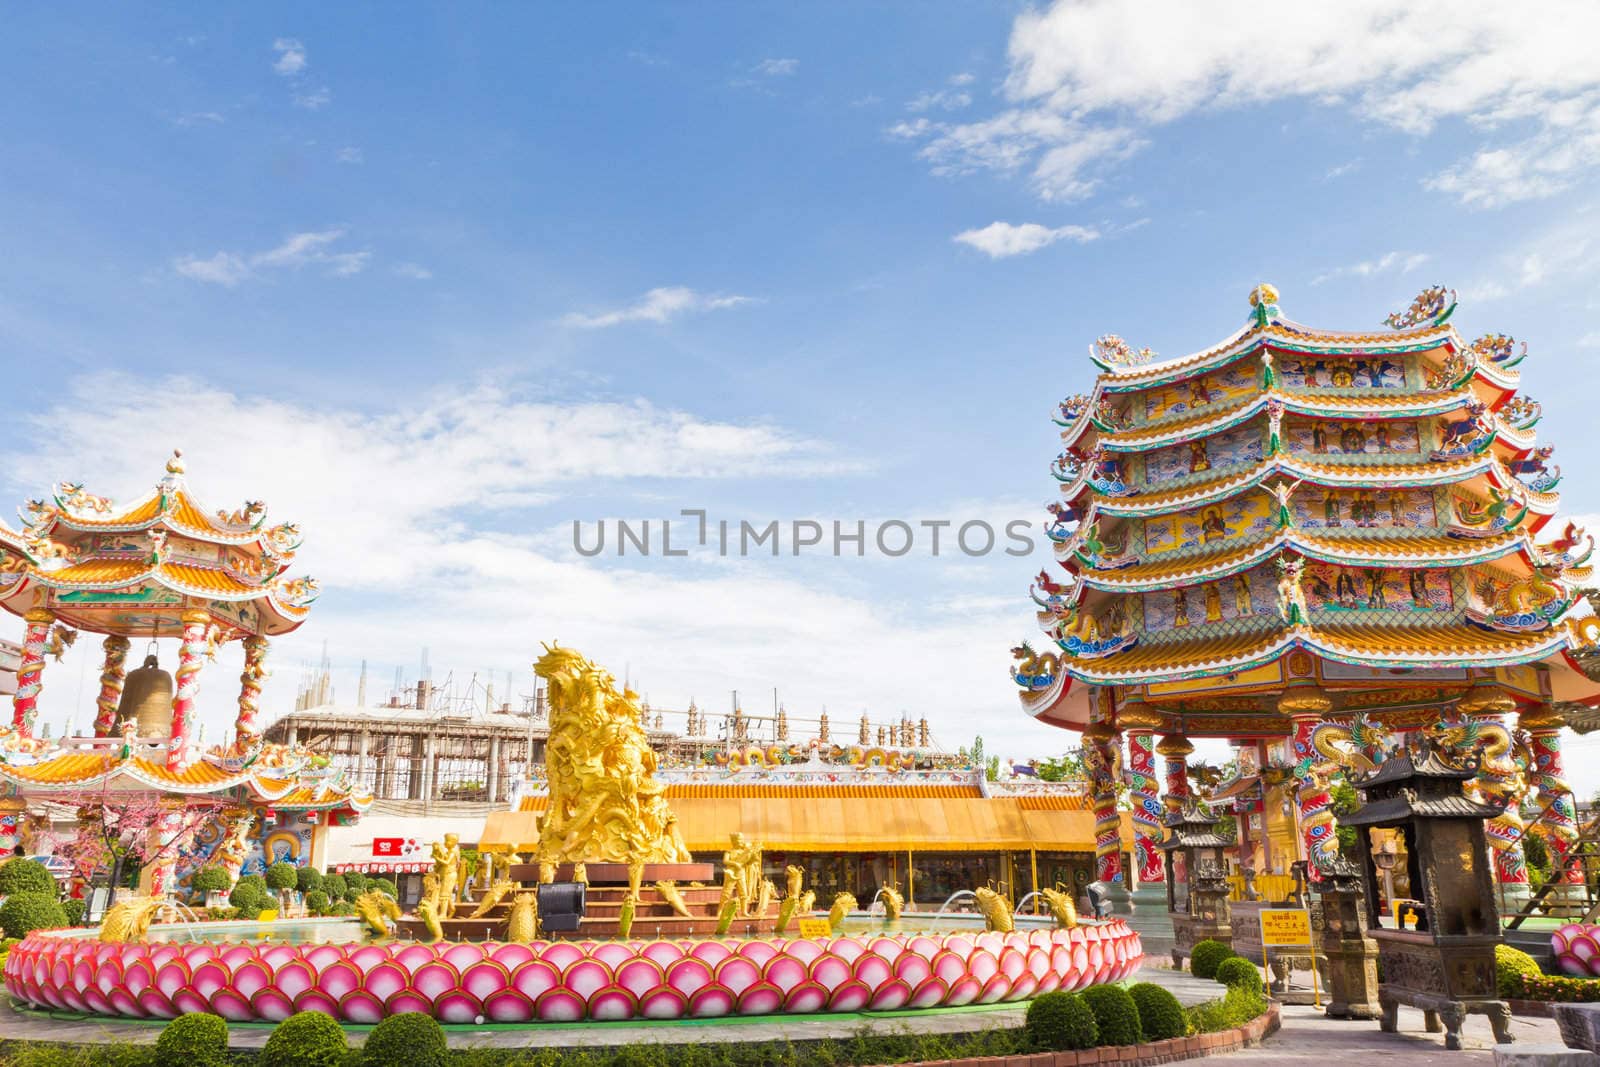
<point x="1376" y="372"/>
<point x="1361" y="589"/>
<point x="1246" y="516"/>
<point x="1240" y="596"/>
<point x="1316" y="508"/>
<point x="1229" y="383"/>
<point x="1327" y="437"/>
<point x="1240" y="445"/>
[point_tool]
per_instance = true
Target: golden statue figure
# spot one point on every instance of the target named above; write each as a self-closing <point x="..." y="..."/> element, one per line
<point x="605" y="804"/>
<point x="375" y="908"/>
<point x="446" y="876"/>
<point x="492" y="896"/>
<point x="129" y="920"/>
<point x="791" y="899"/>
<point x="742" y="861"/>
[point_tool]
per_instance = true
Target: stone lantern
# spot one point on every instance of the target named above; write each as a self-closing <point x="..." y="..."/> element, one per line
<point x="1445" y="963"/>
<point x="1198" y="903"/>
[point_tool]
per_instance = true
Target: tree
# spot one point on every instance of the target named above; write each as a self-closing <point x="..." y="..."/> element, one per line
<point x="307" y="879"/>
<point x="22" y="875"/>
<point x="209" y="880"/>
<point x="281" y="876"/>
<point x="117" y="832"/>
<point x="1062" y="768"/>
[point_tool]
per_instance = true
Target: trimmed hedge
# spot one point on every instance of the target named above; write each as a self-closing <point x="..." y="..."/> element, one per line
<point x="305" y="1039"/>
<point x="248" y="899"/>
<point x="1557" y="989"/>
<point x="307" y="879"/>
<point x="209" y="880"/>
<point x="198" y="1040"/>
<point x="410" y="1039"/>
<point x="1236" y="972"/>
<point x="355" y="884"/>
<point x="1160" y="1014"/>
<point x="281" y="876"/>
<point x="22" y="913"/>
<point x="335" y="886"/>
<point x="1059" y="1021"/>
<point x="256" y="880"/>
<point x="316" y="902"/>
<point x="1510" y="966"/>
<point x="73" y="908"/>
<point x="1205" y="956"/>
<point x="1116" y="1016"/>
<point x="1237" y="1007"/>
<point x="384" y="885"/>
<point x="22" y="875"/>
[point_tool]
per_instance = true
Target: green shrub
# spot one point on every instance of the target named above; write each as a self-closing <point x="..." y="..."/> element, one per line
<point x="281" y="876"/>
<point x="335" y="886"/>
<point x="1059" y="1021"/>
<point x="1160" y="1014"/>
<point x="316" y="901"/>
<point x="198" y="1040"/>
<point x="384" y="885"/>
<point x="1510" y="966"/>
<point x="305" y="1039"/>
<point x="222" y="914"/>
<point x="21" y="875"/>
<point x="1237" y="1007"/>
<point x="355" y="884"/>
<point x="410" y="1039"/>
<point x="256" y="880"/>
<point x="1116" y="1017"/>
<point x="247" y="899"/>
<point x="1205" y="956"/>
<point x="25" y="912"/>
<point x="1556" y="989"/>
<point x="307" y="879"/>
<point x="1236" y="972"/>
<point x="72" y="907"/>
<point x="209" y="880"/>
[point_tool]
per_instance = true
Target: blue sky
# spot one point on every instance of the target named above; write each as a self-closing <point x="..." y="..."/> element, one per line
<point x="436" y="283"/>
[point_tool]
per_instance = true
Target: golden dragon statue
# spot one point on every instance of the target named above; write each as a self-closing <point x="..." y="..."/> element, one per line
<point x="1359" y="745"/>
<point x="792" y="899"/>
<point x="843" y="905"/>
<point x="493" y="896"/>
<point x="130" y="920"/>
<point x="1061" y="906"/>
<point x="893" y="902"/>
<point x="1503" y="761"/>
<point x="996" y="912"/>
<point x="375" y="908"/>
<point x="522" y="925"/>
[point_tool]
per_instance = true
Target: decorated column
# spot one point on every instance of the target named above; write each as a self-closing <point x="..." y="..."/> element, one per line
<point x="1557" y="821"/>
<point x="112" y="672"/>
<point x="30" y="672"/>
<point x="1176" y="749"/>
<point x="246" y="727"/>
<point x="159" y="877"/>
<point x="1138" y="720"/>
<point x="190" y="654"/>
<point x="1103" y="752"/>
<point x="1306" y="705"/>
<point x="1498" y="781"/>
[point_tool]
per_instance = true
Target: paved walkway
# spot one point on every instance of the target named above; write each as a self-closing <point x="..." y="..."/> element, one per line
<point x="1308" y="1037"/>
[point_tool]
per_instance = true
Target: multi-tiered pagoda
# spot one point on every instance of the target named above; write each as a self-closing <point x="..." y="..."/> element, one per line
<point x="1301" y="540"/>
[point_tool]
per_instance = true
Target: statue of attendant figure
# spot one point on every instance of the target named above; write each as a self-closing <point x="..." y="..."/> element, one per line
<point x="1241" y="595"/>
<point x="1198" y="459"/>
<point x="1213" y="597"/>
<point x="447" y="869"/>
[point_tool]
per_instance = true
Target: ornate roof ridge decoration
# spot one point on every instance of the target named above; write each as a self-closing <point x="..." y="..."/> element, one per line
<point x="1432" y="307"/>
<point x="169" y="504"/>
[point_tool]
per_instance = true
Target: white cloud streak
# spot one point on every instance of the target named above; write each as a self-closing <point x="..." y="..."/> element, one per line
<point x="1090" y="82"/>
<point x="658" y="306"/>
<point x="999" y="240"/>
<point x="298" y="250"/>
<point x="778" y="68"/>
<point x="1400" y="262"/>
<point x="291" y="61"/>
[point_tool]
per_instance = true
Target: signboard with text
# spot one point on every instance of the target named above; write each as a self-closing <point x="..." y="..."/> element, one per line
<point x="1285" y="926"/>
<point x="815" y="928"/>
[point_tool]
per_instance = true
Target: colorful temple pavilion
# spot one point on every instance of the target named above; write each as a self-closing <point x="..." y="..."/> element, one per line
<point x="1304" y="540"/>
<point x="161" y="567"/>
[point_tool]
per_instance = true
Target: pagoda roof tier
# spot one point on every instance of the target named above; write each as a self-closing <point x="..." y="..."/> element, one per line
<point x="138" y="569"/>
<point x="108" y="765"/>
<point x="1409" y="550"/>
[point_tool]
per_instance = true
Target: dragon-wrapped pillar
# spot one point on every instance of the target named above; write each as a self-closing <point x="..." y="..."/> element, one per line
<point x="1103" y="751"/>
<point x="246" y="728"/>
<point x="196" y="624"/>
<point x="1138" y="721"/>
<point x="30" y="670"/>
<point x="113" y="671"/>
<point x="1500" y="781"/>
<point x="1306" y="705"/>
<point x="1558" y="819"/>
<point x="1175" y="750"/>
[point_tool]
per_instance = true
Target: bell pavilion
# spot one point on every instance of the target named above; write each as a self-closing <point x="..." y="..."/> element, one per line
<point x="1310" y="542"/>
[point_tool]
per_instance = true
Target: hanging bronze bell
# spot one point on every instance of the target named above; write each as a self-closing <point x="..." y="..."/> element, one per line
<point x="147" y="700"/>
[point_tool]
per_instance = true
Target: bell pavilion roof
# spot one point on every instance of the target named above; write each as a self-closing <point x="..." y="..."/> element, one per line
<point x="1359" y="510"/>
<point x="133" y="568"/>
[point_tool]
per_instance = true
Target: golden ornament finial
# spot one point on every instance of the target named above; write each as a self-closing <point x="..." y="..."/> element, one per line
<point x="175" y="464"/>
<point x="1265" y="293"/>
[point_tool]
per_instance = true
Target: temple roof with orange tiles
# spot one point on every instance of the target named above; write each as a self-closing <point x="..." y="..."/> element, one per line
<point x="132" y="569"/>
<point x="1368" y="506"/>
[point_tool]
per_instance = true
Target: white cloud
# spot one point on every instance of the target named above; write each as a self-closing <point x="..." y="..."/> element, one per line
<point x="963" y="79"/>
<point x="1402" y="262"/>
<point x="658" y="306"/>
<point x="199" y="118"/>
<point x="313" y="99"/>
<point x="942" y="99"/>
<point x="351" y="154"/>
<point x="414" y="271"/>
<point x="1089" y="82"/>
<point x="298" y="250"/>
<point x="1342" y="169"/>
<point x="999" y="240"/>
<point x="778" y="68"/>
<point x="291" y="61"/>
